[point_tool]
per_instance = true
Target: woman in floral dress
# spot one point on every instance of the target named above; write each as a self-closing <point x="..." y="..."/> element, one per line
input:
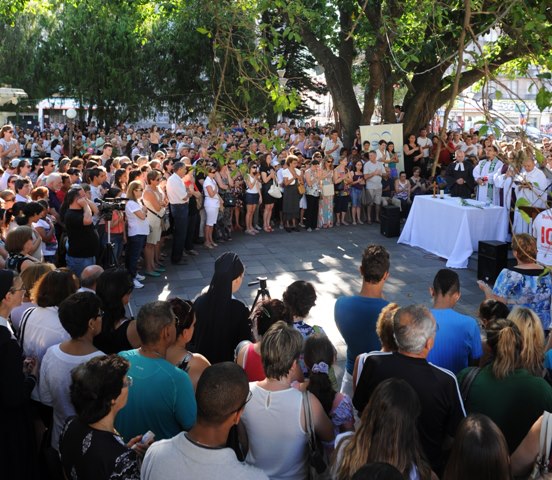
<point x="325" y="207"/>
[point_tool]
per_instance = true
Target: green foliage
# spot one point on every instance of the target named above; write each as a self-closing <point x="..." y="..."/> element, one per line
<point x="194" y="58"/>
<point x="543" y="99"/>
<point x="523" y="202"/>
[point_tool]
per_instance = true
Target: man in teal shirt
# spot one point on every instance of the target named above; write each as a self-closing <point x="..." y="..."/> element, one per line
<point x="161" y="398"/>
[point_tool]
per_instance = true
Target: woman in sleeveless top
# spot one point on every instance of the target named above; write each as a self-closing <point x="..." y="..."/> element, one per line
<point x="154" y="138"/>
<point x="274" y="417"/>
<point x="357" y="187"/>
<point x="119" y="333"/>
<point x="225" y="184"/>
<point x="177" y="354"/>
<point x="412" y="154"/>
<point x="154" y="201"/>
<point x="19" y="244"/>
<point x="402" y="193"/>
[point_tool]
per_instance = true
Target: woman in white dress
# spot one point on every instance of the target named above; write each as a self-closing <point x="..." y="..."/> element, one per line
<point x="211" y="205"/>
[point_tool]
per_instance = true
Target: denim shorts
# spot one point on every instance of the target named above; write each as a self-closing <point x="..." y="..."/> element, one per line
<point x="251" y="198"/>
<point x="356" y="197"/>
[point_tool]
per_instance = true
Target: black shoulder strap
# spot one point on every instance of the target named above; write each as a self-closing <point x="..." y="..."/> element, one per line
<point x="467" y="381"/>
<point x="23" y="325"/>
<point x="151" y="211"/>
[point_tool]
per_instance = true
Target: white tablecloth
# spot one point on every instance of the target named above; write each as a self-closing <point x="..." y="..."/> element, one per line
<point x="448" y="229"/>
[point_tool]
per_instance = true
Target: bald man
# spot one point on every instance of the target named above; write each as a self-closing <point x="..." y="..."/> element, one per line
<point x="89" y="277"/>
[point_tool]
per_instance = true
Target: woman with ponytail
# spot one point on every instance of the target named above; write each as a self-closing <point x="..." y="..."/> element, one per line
<point x="505" y="390"/>
<point x="532" y="334"/>
<point x="319" y="357"/>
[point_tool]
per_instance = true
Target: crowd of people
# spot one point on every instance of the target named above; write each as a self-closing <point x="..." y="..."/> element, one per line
<point x="210" y="388"/>
<point x="202" y="186"/>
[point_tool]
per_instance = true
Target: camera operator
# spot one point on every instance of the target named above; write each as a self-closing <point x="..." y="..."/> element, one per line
<point x="117" y="217"/>
<point x="82" y="237"/>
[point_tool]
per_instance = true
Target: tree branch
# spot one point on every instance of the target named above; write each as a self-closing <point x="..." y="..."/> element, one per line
<point x="469" y="77"/>
<point x="455" y="85"/>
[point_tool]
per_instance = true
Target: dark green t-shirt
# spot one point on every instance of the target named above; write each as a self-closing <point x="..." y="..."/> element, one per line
<point x="514" y="403"/>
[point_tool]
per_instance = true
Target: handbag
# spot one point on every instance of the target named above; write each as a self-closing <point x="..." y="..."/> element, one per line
<point x="540" y="468"/>
<point x="328" y="190"/>
<point x="301" y="188"/>
<point x="228" y="200"/>
<point x="274" y="191"/>
<point x="317" y="463"/>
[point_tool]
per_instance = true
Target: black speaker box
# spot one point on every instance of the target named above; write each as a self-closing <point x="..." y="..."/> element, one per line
<point x="491" y="259"/>
<point x="390" y="218"/>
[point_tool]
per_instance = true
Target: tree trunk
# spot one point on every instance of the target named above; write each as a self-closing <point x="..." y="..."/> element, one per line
<point x="337" y="70"/>
<point x="349" y="112"/>
<point x="420" y="105"/>
<point x="375" y="57"/>
<point x="387" y="95"/>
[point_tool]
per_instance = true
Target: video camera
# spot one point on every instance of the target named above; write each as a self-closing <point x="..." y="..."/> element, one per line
<point x="107" y="206"/>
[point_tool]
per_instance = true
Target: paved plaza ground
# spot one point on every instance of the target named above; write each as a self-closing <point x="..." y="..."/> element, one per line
<point x="330" y="259"/>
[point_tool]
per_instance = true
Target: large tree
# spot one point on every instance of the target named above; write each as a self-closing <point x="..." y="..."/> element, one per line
<point x="192" y="58"/>
<point x="414" y="43"/>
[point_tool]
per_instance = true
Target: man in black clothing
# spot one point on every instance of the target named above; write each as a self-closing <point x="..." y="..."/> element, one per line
<point x="459" y="177"/>
<point x="442" y="408"/>
<point x="84" y="243"/>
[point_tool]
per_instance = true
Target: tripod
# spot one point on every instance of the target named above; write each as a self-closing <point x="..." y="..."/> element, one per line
<point x="108" y="258"/>
<point x="262" y="292"/>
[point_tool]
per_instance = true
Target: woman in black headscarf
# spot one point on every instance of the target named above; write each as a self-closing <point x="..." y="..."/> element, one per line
<point x="221" y="321"/>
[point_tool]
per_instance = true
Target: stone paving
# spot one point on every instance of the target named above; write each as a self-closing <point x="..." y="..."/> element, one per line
<point x="330" y="259"/>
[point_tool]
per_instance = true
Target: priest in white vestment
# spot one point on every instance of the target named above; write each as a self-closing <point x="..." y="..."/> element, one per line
<point x="530" y="184"/>
<point x="483" y="175"/>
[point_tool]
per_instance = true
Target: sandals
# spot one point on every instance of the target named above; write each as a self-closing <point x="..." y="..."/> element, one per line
<point x="152" y="274"/>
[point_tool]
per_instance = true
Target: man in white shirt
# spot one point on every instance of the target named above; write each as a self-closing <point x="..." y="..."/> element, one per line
<point x="106" y="153"/>
<point x="469" y="148"/>
<point x="48" y="167"/>
<point x="222" y="393"/>
<point x="373" y="171"/>
<point x="178" y="199"/>
<point x="333" y="147"/>
<point x="542" y="231"/>
<point x="426" y="143"/>
<point x="89" y="278"/>
<point x="23" y="187"/>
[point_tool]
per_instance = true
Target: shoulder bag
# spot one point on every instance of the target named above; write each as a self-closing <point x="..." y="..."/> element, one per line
<point x="328" y="190"/>
<point x="540" y="468"/>
<point x="229" y="200"/>
<point x="274" y="191"/>
<point x="317" y="463"/>
<point x="165" y="221"/>
<point x="466" y="384"/>
<point x="23" y="326"/>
